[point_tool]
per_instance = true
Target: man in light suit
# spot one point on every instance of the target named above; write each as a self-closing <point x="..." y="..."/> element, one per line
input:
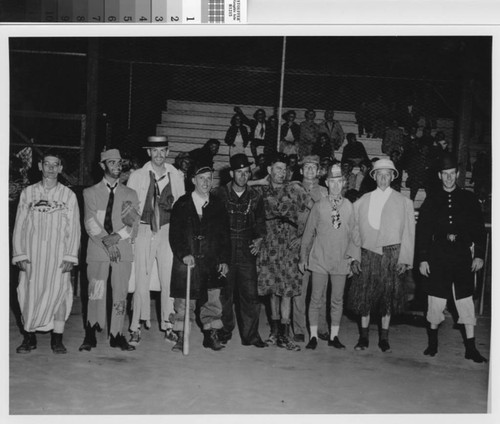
<point x="111" y="221"/>
<point x="384" y="233"/>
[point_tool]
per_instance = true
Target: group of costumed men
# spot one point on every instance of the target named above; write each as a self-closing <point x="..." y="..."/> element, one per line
<point x="242" y="241"/>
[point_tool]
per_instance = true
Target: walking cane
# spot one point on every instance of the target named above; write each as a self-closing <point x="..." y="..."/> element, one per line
<point x="185" y="345"/>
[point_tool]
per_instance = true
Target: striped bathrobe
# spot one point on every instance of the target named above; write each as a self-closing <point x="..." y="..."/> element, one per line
<point x="46" y="232"/>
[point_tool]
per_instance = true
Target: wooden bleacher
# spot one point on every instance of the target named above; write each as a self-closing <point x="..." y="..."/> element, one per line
<point x="188" y="125"/>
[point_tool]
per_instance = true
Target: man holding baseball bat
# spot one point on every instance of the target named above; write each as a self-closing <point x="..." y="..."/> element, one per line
<point x="199" y="237"/>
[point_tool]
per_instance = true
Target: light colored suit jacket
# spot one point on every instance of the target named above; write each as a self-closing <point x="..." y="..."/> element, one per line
<point x="96" y="201"/>
<point x="397" y="226"/>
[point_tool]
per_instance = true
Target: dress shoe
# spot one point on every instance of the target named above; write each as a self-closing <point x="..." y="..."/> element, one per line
<point x="211" y="341"/>
<point x="336" y="343"/>
<point x="28" y="344"/>
<point x="313" y="343"/>
<point x="56" y="343"/>
<point x="135" y="338"/>
<point x="121" y="342"/>
<point x="362" y="344"/>
<point x="323" y="336"/>
<point x="384" y="346"/>
<point x="90" y="340"/>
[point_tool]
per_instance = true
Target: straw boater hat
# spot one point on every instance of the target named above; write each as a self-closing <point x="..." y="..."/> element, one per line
<point x="156" y="141"/>
<point x="110" y="154"/>
<point x="384" y="164"/>
<point x="335" y="171"/>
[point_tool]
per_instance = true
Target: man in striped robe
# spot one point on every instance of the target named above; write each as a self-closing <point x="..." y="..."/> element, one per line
<point x="45" y="248"/>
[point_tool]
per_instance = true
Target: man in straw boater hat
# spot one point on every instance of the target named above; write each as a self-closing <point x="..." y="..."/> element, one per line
<point x="247" y="221"/>
<point x="449" y="223"/>
<point x="111" y="221"/>
<point x="385" y="230"/>
<point x="329" y="229"/>
<point x="158" y="185"/>
<point x="199" y="237"/>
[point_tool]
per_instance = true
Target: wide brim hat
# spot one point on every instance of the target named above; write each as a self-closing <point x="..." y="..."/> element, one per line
<point x="239" y="161"/>
<point x="310" y="159"/>
<point x="334" y="171"/>
<point x="110" y="154"/>
<point x="384" y="164"/>
<point x="156" y="141"/>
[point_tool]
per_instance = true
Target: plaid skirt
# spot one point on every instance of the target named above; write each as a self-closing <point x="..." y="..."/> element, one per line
<point x="378" y="289"/>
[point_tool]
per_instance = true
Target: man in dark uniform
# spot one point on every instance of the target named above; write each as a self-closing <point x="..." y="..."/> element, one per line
<point x="449" y="222"/>
<point x="247" y="219"/>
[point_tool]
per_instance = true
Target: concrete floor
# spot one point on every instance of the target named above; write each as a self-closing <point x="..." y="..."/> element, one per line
<point x="247" y="380"/>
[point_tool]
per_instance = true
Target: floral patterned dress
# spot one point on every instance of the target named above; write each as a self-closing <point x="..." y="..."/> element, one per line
<point x="277" y="263"/>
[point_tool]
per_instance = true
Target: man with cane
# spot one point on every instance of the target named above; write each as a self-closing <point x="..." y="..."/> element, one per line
<point x="199" y="237"/>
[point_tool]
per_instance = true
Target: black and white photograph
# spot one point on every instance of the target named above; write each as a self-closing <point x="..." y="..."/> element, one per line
<point x="264" y="222"/>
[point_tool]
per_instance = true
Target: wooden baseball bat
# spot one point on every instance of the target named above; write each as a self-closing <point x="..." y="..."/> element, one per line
<point x="185" y="345"/>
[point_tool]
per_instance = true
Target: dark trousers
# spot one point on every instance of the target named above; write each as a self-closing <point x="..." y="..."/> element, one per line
<point x="242" y="282"/>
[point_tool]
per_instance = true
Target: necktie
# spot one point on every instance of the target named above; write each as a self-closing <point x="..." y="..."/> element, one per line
<point x="261" y="131"/>
<point x="108" y="225"/>
<point x="155" y="222"/>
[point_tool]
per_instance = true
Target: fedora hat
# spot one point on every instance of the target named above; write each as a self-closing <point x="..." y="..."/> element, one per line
<point x="384" y="164"/>
<point x="110" y="154"/>
<point x="239" y="161"/>
<point x="156" y="141"/>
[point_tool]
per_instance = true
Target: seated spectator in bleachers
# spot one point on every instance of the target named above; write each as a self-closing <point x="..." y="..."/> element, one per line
<point x="322" y="147"/>
<point x="426" y="137"/>
<point x="365" y="183"/>
<point x="393" y="139"/>
<point x="271" y="136"/>
<point x="332" y="129"/>
<point x="258" y="127"/>
<point x="378" y="112"/>
<point x="204" y="156"/>
<point x="237" y="136"/>
<point x="309" y="131"/>
<point x="129" y="165"/>
<point x="418" y="168"/>
<point x="260" y="171"/>
<point x="396" y="160"/>
<point x="183" y="163"/>
<point x="349" y="176"/>
<point x="363" y="120"/>
<point x="293" y="169"/>
<point x="324" y="164"/>
<point x="354" y="150"/>
<point x="290" y="134"/>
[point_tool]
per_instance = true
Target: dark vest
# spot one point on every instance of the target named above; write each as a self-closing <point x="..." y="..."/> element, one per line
<point x="165" y="204"/>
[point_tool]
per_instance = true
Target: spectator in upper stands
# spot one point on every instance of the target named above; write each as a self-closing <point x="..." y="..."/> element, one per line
<point x="260" y="171"/>
<point x="237" y="137"/>
<point x="290" y="134"/>
<point x="439" y="148"/>
<point x="309" y="131"/>
<point x="378" y="112"/>
<point x="396" y="160"/>
<point x="271" y="145"/>
<point x="364" y="183"/>
<point x="418" y="169"/>
<point x="322" y="147"/>
<point x="324" y="163"/>
<point x="354" y="150"/>
<point x="393" y="139"/>
<point x="293" y="169"/>
<point x="349" y="176"/>
<point x="426" y="137"/>
<point x="258" y="127"/>
<point x="409" y="113"/>
<point x="183" y="163"/>
<point x="364" y="120"/>
<point x="333" y="129"/>
<point x="204" y="156"/>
